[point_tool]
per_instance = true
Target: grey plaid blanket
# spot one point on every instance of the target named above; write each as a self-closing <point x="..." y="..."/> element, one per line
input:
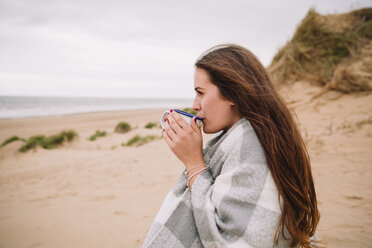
<point x="233" y="204"/>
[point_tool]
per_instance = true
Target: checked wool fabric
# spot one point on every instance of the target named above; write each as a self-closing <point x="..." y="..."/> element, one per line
<point x="233" y="204"/>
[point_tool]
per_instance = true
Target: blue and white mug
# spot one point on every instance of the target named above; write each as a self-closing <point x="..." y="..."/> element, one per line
<point x="187" y="116"/>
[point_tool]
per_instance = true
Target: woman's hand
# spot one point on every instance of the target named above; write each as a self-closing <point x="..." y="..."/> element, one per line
<point x="185" y="140"/>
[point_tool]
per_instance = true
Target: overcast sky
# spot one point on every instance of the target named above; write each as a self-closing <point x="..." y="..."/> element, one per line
<point x="116" y="48"/>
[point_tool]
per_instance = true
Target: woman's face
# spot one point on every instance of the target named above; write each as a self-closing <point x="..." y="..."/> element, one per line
<point x="217" y="113"/>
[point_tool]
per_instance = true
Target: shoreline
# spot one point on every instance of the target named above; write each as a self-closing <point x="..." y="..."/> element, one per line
<point x="32" y="107"/>
<point x="78" y="113"/>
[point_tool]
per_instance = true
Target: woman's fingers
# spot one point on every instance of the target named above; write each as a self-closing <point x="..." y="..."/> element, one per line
<point x="167" y="138"/>
<point x="169" y="131"/>
<point x="177" y="122"/>
<point x="177" y="128"/>
<point x="195" y="126"/>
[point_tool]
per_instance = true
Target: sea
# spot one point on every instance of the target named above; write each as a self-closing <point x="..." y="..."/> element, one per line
<point x="13" y="107"/>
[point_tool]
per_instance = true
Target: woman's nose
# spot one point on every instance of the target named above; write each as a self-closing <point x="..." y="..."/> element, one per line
<point x="196" y="104"/>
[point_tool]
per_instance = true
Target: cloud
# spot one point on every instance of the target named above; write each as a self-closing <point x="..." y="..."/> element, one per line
<point x="67" y="47"/>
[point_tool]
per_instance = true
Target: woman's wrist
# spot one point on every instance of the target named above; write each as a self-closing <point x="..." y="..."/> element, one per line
<point x="189" y="165"/>
<point x="194" y="168"/>
<point x="191" y="179"/>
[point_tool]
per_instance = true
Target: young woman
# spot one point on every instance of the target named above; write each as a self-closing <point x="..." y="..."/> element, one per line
<point x="251" y="186"/>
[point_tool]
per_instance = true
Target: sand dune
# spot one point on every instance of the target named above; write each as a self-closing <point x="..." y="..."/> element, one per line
<point x="337" y="129"/>
<point x="100" y="194"/>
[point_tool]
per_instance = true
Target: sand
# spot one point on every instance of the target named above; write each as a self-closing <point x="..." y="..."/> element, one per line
<point x="101" y="194"/>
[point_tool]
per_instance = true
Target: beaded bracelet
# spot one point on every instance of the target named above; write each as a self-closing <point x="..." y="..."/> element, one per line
<point x="201" y="170"/>
<point x="196" y="166"/>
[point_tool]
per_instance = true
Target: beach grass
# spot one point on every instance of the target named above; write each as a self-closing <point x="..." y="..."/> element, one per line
<point x="139" y="140"/>
<point x="97" y="134"/>
<point x="327" y="50"/>
<point x="316" y="47"/>
<point x="12" y="139"/>
<point x="151" y="125"/>
<point x="48" y="142"/>
<point x="190" y="110"/>
<point x="123" y="127"/>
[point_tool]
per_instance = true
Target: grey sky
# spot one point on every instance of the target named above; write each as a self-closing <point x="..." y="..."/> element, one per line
<point x="135" y="48"/>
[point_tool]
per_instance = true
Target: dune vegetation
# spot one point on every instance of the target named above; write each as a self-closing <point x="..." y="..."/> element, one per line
<point x="97" y="134"/>
<point x="190" y="110"/>
<point x="12" y="139"/>
<point x="123" y="127"/>
<point x="138" y="140"/>
<point x="333" y="51"/>
<point x="152" y="125"/>
<point x="48" y="142"/>
<point x="57" y="140"/>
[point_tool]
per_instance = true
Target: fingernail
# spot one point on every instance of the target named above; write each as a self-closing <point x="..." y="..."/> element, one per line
<point x="171" y="110"/>
<point x="194" y="119"/>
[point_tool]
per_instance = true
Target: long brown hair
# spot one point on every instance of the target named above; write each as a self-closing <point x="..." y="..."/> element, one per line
<point x="242" y="79"/>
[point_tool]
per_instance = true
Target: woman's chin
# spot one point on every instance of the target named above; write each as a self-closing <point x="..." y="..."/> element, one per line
<point x="206" y="130"/>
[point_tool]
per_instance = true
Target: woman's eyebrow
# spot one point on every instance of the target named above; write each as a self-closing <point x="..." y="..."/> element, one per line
<point x="198" y="88"/>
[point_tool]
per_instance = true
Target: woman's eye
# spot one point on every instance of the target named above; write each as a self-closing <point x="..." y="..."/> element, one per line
<point x="199" y="93"/>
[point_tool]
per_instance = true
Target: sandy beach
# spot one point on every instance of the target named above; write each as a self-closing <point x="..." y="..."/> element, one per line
<point x="101" y="194"/>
